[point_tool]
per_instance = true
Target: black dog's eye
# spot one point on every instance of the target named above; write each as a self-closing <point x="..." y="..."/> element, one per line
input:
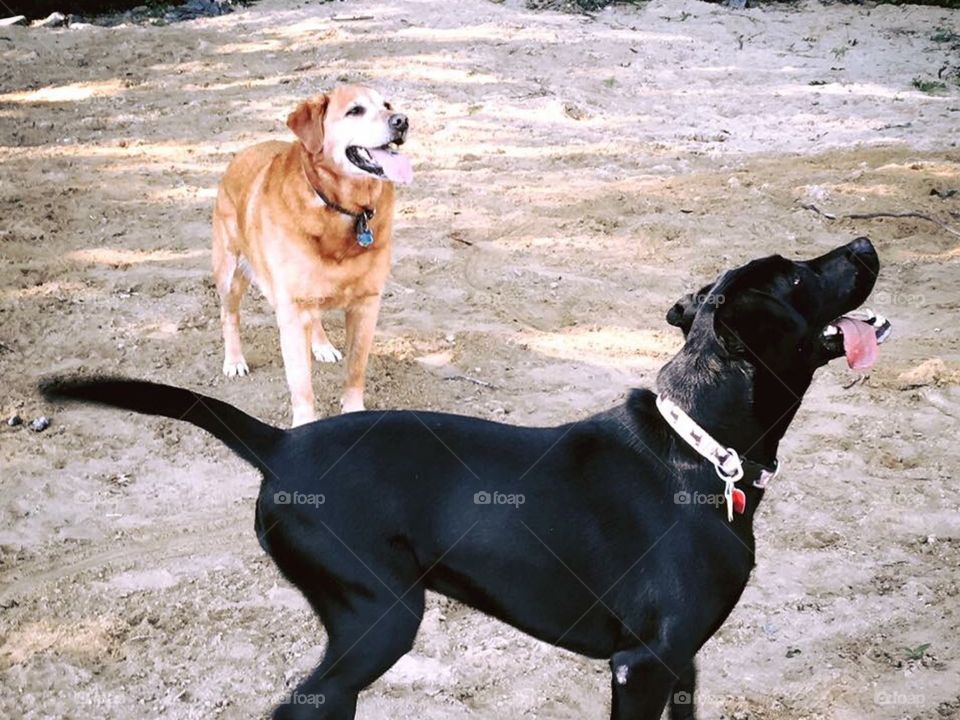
<point x="795" y="280"/>
<point x="356" y="110"/>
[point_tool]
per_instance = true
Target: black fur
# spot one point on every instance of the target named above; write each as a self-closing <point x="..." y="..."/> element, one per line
<point x="366" y="511"/>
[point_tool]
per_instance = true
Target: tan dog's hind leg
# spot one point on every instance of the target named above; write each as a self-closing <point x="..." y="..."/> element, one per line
<point x="361" y="322"/>
<point x="231" y="283"/>
<point x="323" y="349"/>
<point x="295" y="324"/>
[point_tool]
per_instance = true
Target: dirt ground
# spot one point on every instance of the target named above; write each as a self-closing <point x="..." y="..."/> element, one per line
<point x="575" y="176"/>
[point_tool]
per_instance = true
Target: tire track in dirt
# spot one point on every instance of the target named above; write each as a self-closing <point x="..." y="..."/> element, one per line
<point x="162" y="545"/>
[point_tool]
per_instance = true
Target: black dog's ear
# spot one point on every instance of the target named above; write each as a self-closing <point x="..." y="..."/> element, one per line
<point x="758" y="322"/>
<point x="683" y="312"/>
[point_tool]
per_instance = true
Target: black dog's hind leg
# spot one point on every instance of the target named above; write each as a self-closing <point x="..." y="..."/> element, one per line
<point x="365" y="639"/>
<point x="684" y="694"/>
<point x="642" y="682"/>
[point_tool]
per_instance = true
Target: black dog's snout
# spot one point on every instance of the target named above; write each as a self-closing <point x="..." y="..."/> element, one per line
<point x="862" y="246"/>
<point x="399" y="123"/>
<point x="863" y="255"/>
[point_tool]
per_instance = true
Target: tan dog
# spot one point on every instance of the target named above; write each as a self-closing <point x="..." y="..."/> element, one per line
<point x="310" y="224"/>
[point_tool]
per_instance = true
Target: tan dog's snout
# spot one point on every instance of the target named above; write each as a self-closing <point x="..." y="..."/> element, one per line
<point x="399" y="124"/>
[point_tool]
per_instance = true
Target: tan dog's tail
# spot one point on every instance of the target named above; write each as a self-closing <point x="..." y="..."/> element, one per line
<point x="251" y="439"/>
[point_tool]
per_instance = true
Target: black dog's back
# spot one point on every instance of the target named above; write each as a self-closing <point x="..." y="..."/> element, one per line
<point x="438" y="512"/>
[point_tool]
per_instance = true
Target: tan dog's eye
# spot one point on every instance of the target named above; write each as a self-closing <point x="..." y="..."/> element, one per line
<point x="388" y="106"/>
<point x="356" y="110"/>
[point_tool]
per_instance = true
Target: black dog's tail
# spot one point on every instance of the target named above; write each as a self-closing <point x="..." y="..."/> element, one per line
<point x="252" y="440"/>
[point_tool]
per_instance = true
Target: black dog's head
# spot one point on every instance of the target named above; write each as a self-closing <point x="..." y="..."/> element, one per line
<point x="789" y="316"/>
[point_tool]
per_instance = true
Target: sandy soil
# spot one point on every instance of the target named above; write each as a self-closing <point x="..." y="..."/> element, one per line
<point x="575" y="176"/>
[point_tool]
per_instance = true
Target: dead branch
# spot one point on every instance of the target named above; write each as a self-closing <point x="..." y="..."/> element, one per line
<point x="874" y="215"/>
<point x="475" y="381"/>
<point x="818" y="211"/>
<point x="911" y="214"/>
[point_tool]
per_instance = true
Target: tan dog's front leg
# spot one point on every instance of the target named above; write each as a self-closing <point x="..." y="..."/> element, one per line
<point x="295" y="323"/>
<point x="361" y="323"/>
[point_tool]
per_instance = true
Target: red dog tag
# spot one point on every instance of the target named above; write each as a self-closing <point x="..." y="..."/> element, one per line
<point x="739" y="501"/>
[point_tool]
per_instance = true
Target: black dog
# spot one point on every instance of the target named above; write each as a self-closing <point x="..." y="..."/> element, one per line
<point x="588" y="536"/>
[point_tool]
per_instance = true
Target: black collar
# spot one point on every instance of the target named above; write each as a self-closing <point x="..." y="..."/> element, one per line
<point x="361" y="219"/>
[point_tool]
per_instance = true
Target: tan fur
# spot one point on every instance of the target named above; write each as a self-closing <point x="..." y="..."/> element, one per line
<point x="270" y="227"/>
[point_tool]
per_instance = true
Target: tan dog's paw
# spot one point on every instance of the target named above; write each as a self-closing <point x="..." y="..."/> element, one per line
<point x="236" y="369"/>
<point x="303" y="415"/>
<point x="352" y="402"/>
<point x="326" y="353"/>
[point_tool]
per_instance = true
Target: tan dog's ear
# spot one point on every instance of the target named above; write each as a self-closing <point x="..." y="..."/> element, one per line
<point x="307" y="122"/>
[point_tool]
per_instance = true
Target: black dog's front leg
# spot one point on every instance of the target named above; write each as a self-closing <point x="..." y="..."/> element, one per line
<point x="642" y="682"/>
<point x="684" y="694"/>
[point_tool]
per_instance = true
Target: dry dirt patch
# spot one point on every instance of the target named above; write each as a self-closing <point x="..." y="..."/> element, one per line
<point x="599" y="168"/>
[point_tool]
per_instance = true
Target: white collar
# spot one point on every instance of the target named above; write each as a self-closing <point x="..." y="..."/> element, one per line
<point x="726" y="461"/>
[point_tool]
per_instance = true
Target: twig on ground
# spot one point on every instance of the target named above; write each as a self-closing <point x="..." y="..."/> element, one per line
<point x="859" y="380"/>
<point x="919" y="216"/>
<point x="352" y="18"/>
<point x="475" y="381"/>
<point x="818" y="211"/>
<point x="874" y="215"/>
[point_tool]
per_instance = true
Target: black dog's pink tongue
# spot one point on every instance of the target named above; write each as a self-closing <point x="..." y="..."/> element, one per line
<point x="859" y="342"/>
<point x="395" y="166"/>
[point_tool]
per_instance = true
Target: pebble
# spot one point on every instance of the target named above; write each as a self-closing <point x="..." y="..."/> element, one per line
<point x="15" y="421"/>
<point x="40" y="424"/>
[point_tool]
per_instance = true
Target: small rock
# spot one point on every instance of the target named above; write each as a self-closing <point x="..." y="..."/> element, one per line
<point x="15" y="421"/>
<point x="52" y="20"/>
<point x="15" y="20"/>
<point x="793" y="652"/>
<point x="40" y="424"/>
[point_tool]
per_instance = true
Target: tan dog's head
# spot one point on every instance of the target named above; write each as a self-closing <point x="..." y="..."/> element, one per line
<point x="355" y="131"/>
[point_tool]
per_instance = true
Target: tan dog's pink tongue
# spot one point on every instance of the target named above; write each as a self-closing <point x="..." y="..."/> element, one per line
<point x="859" y="343"/>
<point x="395" y="166"/>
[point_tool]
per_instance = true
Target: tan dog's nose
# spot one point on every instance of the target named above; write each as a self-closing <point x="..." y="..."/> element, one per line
<point x="399" y="123"/>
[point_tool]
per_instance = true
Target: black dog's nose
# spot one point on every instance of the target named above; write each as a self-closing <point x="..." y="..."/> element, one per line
<point x="399" y="123"/>
<point x="862" y="246"/>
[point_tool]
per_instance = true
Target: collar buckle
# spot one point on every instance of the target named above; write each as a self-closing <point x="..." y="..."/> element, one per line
<point x="729" y="467"/>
